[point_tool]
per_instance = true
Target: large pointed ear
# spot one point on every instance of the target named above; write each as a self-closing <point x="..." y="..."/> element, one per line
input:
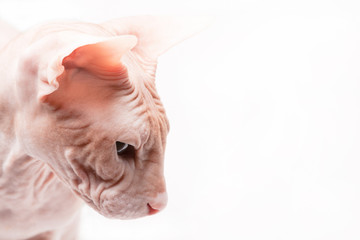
<point x="101" y="59"/>
<point x="156" y="34"/>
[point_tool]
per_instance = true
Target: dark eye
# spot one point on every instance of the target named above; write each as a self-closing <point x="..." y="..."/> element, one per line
<point x="121" y="147"/>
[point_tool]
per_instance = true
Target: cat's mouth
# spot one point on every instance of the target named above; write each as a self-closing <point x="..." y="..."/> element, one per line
<point x="127" y="206"/>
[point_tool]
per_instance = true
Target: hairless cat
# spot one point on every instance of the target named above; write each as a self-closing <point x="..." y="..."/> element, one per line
<point x="81" y="121"/>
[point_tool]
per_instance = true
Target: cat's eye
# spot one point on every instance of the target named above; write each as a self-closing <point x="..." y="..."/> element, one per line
<point x="121" y="147"/>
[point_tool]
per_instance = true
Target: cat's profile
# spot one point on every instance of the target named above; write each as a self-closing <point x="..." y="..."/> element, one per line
<point x="80" y="120"/>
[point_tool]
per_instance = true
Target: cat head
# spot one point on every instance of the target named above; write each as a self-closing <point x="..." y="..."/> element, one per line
<point x="90" y="110"/>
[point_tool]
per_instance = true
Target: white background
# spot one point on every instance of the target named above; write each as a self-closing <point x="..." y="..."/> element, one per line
<point x="264" y="109"/>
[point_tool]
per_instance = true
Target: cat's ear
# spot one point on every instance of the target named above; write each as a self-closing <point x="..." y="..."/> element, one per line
<point x="100" y="58"/>
<point x="156" y="34"/>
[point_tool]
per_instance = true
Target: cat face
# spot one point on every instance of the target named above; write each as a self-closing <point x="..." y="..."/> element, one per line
<point x="126" y="110"/>
<point x="86" y="128"/>
<point x="91" y="112"/>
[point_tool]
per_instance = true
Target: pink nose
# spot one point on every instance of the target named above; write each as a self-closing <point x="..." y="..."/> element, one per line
<point x="158" y="203"/>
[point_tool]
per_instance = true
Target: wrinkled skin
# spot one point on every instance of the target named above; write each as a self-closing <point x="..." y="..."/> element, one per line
<point x="69" y="91"/>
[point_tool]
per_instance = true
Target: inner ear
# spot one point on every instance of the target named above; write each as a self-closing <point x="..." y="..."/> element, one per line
<point x="89" y="69"/>
<point x="101" y="58"/>
<point x="81" y="87"/>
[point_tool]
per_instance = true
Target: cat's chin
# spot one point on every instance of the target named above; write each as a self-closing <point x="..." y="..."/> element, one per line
<point x="124" y="217"/>
<point x="125" y="214"/>
<point x="123" y="207"/>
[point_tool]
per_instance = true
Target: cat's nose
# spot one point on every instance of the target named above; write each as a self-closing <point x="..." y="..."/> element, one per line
<point x="158" y="203"/>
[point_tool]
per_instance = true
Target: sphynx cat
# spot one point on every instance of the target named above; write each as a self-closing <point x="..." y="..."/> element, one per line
<point x="81" y="121"/>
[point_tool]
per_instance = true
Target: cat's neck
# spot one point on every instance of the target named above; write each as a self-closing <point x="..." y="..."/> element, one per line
<point x="27" y="183"/>
<point x="14" y="162"/>
<point x="7" y="130"/>
<point x="29" y="189"/>
<point x="10" y="152"/>
<point x="7" y="109"/>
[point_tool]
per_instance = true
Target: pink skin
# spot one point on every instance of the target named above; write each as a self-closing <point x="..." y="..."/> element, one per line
<point x="7" y="32"/>
<point x="69" y="92"/>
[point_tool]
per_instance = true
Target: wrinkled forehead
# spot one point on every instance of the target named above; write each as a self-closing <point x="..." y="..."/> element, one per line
<point x="136" y="118"/>
<point x="141" y="73"/>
